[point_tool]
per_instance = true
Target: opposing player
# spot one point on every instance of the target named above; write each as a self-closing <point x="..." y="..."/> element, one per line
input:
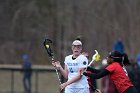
<point x="116" y="62"/>
<point x="76" y="82"/>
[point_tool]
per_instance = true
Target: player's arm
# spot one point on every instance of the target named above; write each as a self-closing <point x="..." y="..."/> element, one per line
<point x="58" y="66"/>
<point x="99" y="75"/>
<point x="93" y="70"/>
<point x="74" y="79"/>
<point x="109" y="69"/>
<point x="64" y="72"/>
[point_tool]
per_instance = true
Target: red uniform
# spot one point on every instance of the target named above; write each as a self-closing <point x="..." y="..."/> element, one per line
<point x="119" y="77"/>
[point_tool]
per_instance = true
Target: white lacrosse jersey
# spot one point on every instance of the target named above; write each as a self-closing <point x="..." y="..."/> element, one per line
<point x="73" y="65"/>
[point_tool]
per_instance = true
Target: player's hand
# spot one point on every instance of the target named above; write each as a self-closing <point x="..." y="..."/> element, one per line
<point x="81" y="70"/>
<point x="62" y="86"/>
<point x="85" y="73"/>
<point x="89" y="68"/>
<point x="56" y="64"/>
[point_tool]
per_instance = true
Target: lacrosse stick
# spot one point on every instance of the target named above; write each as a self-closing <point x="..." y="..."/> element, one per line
<point x="95" y="58"/>
<point x="47" y="46"/>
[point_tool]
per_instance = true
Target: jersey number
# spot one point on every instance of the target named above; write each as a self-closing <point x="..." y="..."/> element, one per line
<point x="71" y="70"/>
<point x="125" y="71"/>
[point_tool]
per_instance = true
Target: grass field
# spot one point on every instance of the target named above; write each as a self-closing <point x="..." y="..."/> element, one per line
<point x="47" y="82"/>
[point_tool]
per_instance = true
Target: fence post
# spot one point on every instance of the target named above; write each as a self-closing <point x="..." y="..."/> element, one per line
<point x="36" y="82"/>
<point x="12" y="81"/>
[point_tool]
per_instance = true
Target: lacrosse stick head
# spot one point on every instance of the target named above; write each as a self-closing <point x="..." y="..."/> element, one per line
<point x="96" y="57"/>
<point x="47" y="43"/>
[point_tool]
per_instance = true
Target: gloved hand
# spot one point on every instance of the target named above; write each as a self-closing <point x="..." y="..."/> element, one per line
<point x="89" y="68"/>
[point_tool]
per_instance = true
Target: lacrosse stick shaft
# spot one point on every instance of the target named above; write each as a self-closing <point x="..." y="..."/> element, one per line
<point x="94" y="88"/>
<point x="90" y="63"/>
<point x="57" y="73"/>
<point x="58" y="76"/>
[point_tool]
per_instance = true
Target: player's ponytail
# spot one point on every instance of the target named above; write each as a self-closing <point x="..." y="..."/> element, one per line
<point x="125" y="60"/>
<point x="78" y="39"/>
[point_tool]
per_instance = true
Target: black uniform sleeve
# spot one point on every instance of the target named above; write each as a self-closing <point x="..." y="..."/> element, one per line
<point x="93" y="70"/>
<point x="101" y="74"/>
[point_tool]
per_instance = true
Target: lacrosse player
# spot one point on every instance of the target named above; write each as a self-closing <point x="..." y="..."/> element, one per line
<point x="76" y="83"/>
<point x="116" y="71"/>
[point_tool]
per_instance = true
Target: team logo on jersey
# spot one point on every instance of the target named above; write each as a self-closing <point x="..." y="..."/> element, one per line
<point x="84" y="62"/>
